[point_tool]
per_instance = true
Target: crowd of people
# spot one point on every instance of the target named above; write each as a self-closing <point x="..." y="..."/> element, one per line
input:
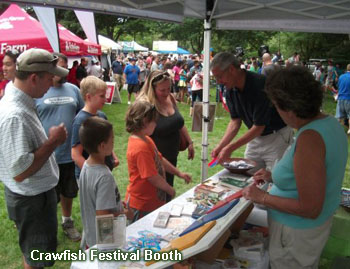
<point x="56" y="142"/>
<point x="185" y="73"/>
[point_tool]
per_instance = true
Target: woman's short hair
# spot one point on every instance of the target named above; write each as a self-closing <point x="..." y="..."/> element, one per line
<point x="295" y="89"/>
<point x="91" y="85"/>
<point x="224" y="60"/>
<point x="93" y="132"/>
<point x="148" y="90"/>
<point x="139" y="113"/>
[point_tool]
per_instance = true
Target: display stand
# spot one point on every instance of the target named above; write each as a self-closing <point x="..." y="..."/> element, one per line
<point x="112" y="94"/>
<point x="215" y="238"/>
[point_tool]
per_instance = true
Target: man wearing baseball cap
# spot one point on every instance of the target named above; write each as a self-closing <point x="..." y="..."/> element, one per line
<point x="28" y="167"/>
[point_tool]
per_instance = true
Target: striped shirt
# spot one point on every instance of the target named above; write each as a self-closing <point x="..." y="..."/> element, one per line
<point x="21" y="135"/>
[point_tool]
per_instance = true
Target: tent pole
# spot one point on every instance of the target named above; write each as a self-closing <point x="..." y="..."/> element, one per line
<point x="206" y="87"/>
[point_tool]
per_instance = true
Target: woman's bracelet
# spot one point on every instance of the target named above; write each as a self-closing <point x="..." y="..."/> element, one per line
<point x="264" y="198"/>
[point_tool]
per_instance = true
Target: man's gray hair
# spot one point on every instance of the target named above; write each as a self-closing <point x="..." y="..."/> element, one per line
<point x="223" y="60"/>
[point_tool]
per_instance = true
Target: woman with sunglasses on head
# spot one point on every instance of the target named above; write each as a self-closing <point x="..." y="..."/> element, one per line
<point x="8" y="68"/>
<point x="170" y="123"/>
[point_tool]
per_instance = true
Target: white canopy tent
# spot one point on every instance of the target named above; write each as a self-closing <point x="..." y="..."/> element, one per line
<point x="327" y="16"/>
<point x="132" y="46"/>
<point x="107" y="43"/>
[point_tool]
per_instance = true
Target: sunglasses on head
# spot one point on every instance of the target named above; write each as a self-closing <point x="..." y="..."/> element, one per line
<point x="14" y="52"/>
<point x="160" y="77"/>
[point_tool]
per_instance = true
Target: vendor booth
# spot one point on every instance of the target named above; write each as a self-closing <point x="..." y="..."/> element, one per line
<point x="178" y="51"/>
<point x="20" y="31"/>
<point x="108" y="44"/>
<point x="185" y="224"/>
<point x="130" y="46"/>
<point x="305" y="16"/>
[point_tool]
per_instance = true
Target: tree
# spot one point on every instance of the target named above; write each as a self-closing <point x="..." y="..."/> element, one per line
<point x="316" y="45"/>
<point x="250" y="41"/>
<point x="189" y="34"/>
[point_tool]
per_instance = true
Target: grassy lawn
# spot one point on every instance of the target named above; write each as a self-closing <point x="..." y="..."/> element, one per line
<point x="10" y="254"/>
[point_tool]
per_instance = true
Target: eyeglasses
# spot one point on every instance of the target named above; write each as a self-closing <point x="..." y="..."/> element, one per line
<point x="160" y="77"/>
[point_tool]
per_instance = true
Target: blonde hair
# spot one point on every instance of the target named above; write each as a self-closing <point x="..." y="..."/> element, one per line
<point x="91" y="85"/>
<point x="147" y="93"/>
<point x="138" y="114"/>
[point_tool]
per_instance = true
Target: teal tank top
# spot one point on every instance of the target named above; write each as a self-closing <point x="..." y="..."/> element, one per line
<point x="284" y="183"/>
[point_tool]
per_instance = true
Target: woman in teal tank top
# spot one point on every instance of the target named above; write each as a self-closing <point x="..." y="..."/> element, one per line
<point x="307" y="180"/>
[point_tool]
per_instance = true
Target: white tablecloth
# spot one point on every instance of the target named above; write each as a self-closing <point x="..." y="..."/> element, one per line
<point x="146" y="223"/>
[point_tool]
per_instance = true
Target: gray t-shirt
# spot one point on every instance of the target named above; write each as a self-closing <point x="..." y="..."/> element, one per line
<point x="98" y="191"/>
<point x="60" y="105"/>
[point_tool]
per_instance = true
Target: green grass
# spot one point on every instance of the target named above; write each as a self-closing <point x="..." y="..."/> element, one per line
<point x="10" y="254"/>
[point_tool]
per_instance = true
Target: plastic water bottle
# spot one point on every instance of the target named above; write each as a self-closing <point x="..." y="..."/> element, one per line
<point x="120" y="230"/>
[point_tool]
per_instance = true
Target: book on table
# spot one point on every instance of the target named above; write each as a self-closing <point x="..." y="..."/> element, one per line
<point x="233" y="182"/>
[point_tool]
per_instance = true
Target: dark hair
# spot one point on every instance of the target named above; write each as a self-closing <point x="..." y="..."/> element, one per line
<point x="295" y="89"/>
<point x="167" y="66"/>
<point x="139" y="113"/>
<point x="13" y="54"/>
<point x="178" y="63"/>
<point x="93" y="132"/>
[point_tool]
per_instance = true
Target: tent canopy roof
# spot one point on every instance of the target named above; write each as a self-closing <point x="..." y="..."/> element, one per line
<point x="178" y="51"/>
<point x="330" y="16"/>
<point x="18" y="30"/>
<point x="107" y="43"/>
<point x="132" y="46"/>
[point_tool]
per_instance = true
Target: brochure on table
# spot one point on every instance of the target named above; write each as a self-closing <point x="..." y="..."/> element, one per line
<point x="146" y="223"/>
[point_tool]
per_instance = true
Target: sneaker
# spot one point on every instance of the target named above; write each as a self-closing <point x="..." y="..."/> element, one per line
<point x="348" y="132"/>
<point x="70" y="231"/>
<point x="129" y="103"/>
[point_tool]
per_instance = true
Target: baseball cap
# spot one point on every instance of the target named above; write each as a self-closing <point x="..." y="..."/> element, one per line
<point x="39" y="60"/>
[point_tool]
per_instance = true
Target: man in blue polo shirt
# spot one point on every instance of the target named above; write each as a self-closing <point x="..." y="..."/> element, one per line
<point x="343" y="105"/>
<point x="268" y="136"/>
<point x="132" y="72"/>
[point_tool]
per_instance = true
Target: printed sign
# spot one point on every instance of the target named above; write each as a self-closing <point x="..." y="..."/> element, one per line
<point x="110" y="92"/>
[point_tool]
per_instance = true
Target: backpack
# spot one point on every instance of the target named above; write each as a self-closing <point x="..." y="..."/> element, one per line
<point x="117" y="68"/>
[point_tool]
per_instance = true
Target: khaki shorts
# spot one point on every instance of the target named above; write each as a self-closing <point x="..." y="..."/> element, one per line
<point x="291" y="248"/>
<point x="267" y="150"/>
<point x="119" y="80"/>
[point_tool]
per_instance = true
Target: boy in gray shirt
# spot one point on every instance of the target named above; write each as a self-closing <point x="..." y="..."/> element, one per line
<point x="99" y="194"/>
